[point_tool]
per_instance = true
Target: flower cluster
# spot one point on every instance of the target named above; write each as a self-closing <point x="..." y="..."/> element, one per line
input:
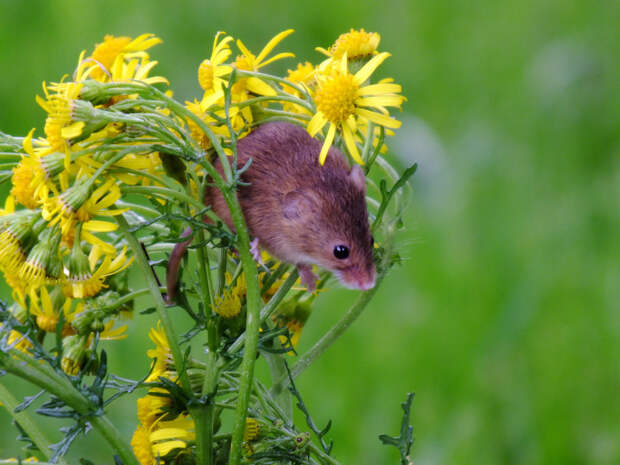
<point x="120" y="171"/>
<point x="60" y="250"/>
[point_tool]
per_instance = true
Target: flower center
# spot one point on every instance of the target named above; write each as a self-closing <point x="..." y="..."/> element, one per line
<point x="357" y="44"/>
<point x="106" y="52"/>
<point x="205" y="75"/>
<point x="336" y="98"/>
<point x="245" y="63"/>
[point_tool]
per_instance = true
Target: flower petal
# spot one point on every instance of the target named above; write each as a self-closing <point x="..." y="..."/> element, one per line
<point x="376" y="89"/>
<point x="316" y="123"/>
<point x="379" y="118"/>
<point x="327" y="144"/>
<point x="260" y="87"/>
<point x="350" y="143"/>
<point x="272" y="43"/>
<point x="363" y="74"/>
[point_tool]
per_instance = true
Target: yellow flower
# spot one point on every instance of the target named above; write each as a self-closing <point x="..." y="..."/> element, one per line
<point x="150" y="406"/>
<point x="106" y="52"/>
<point x="247" y="61"/>
<point x="43" y="263"/>
<point x="356" y="44"/>
<point x="228" y="305"/>
<point x="170" y="435"/>
<point x="211" y="70"/>
<point x="218" y="128"/>
<point x="134" y="69"/>
<point x="76" y="204"/>
<point x="294" y="315"/>
<point x="19" y="341"/>
<point x="59" y="126"/>
<point x="23" y="186"/>
<point x="83" y="280"/>
<point x="46" y="309"/>
<point x="251" y="429"/>
<point x="142" y="446"/>
<point x="16" y="231"/>
<point x="341" y="97"/>
<point x="161" y="353"/>
<point x="73" y="353"/>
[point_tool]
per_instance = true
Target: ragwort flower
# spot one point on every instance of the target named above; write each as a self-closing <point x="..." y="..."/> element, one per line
<point x="356" y="44"/>
<point x="342" y="98"/>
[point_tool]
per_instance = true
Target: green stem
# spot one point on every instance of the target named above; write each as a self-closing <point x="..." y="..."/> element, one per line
<point x="126" y="298"/>
<point x="203" y="416"/>
<point x="251" y="329"/>
<point x="158" y="300"/>
<point x="65" y="391"/>
<point x="269" y="308"/>
<point x="322" y="455"/>
<point x="163" y="192"/>
<point x="277" y="367"/>
<point x="24" y="420"/>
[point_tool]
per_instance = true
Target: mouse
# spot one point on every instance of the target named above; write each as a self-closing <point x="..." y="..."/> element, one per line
<point x="297" y="210"/>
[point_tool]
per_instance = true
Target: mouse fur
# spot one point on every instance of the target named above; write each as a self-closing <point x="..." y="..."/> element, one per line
<point x="297" y="209"/>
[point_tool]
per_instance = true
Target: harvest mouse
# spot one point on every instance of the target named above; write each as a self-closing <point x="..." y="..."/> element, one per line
<point x="299" y="211"/>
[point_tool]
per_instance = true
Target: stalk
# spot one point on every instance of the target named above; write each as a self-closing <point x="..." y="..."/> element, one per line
<point x="26" y="422"/>
<point x="58" y="387"/>
<point x="160" y="305"/>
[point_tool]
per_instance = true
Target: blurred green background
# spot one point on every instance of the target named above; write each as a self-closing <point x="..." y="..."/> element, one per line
<point x="505" y="316"/>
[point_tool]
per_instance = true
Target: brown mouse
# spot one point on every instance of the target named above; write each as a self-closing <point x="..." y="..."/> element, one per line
<point x="299" y="211"/>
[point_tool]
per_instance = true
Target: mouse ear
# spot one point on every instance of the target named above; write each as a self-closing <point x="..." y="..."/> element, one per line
<point x="357" y="177"/>
<point x="296" y="204"/>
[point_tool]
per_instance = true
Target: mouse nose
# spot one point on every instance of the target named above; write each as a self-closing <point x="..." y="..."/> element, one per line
<point x="369" y="281"/>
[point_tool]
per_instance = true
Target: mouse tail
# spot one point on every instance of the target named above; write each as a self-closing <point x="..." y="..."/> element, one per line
<point x="174" y="264"/>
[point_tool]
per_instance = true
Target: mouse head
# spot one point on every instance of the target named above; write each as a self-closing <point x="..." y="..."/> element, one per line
<point x="330" y="226"/>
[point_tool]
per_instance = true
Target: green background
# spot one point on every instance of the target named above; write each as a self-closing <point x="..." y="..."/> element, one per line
<point x="504" y="317"/>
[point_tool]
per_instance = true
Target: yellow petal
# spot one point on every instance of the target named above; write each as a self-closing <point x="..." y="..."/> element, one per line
<point x="323" y="51"/>
<point x="99" y="226"/>
<point x="376" y="89"/>
<point x="327" y="144"/>
<point x="103" y="246"/>
<point x="93" y="256"/>
<point x="316" y="123"/>
<point x="380" y="100"/>
<point x="243" y="48"/>
<point x="272" y="43"/>
<point x="350" y="143"/>
<point x="259" y="87"/>
<point x="363" y="74"/>
<point x="73" y="130"/>
<point x="379" y="118"/>
<point x="28" y="142"/>
<point x="277" y="57"/>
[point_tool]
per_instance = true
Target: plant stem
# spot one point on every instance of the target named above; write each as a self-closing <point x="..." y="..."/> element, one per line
<point x="24" y="420"/>
<point x="61" y="388"/>
<point x="203" y="416"/>
<point x="163" y="192"/>
<point x="158" y="300"/>
<point x="251" y="328"/>
<point x="269" y="308"/>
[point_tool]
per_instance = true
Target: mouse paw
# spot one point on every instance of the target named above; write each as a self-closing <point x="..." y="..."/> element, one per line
<point x="308" y="278"/>
<point x="255" y="251"/>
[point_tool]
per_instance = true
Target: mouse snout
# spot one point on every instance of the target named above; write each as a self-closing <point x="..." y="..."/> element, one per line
<point x="359" y="278"/>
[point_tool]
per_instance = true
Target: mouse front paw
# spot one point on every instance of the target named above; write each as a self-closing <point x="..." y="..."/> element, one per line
<point x="255" y="251"/>
<point x="308" y="278"/>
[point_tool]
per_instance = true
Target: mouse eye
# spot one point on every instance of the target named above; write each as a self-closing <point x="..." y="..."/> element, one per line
<point x="341" y="252"/>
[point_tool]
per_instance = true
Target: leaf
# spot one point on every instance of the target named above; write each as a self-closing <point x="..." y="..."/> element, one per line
<point x="403" y="442"/>
<point x="27" y="401"/>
